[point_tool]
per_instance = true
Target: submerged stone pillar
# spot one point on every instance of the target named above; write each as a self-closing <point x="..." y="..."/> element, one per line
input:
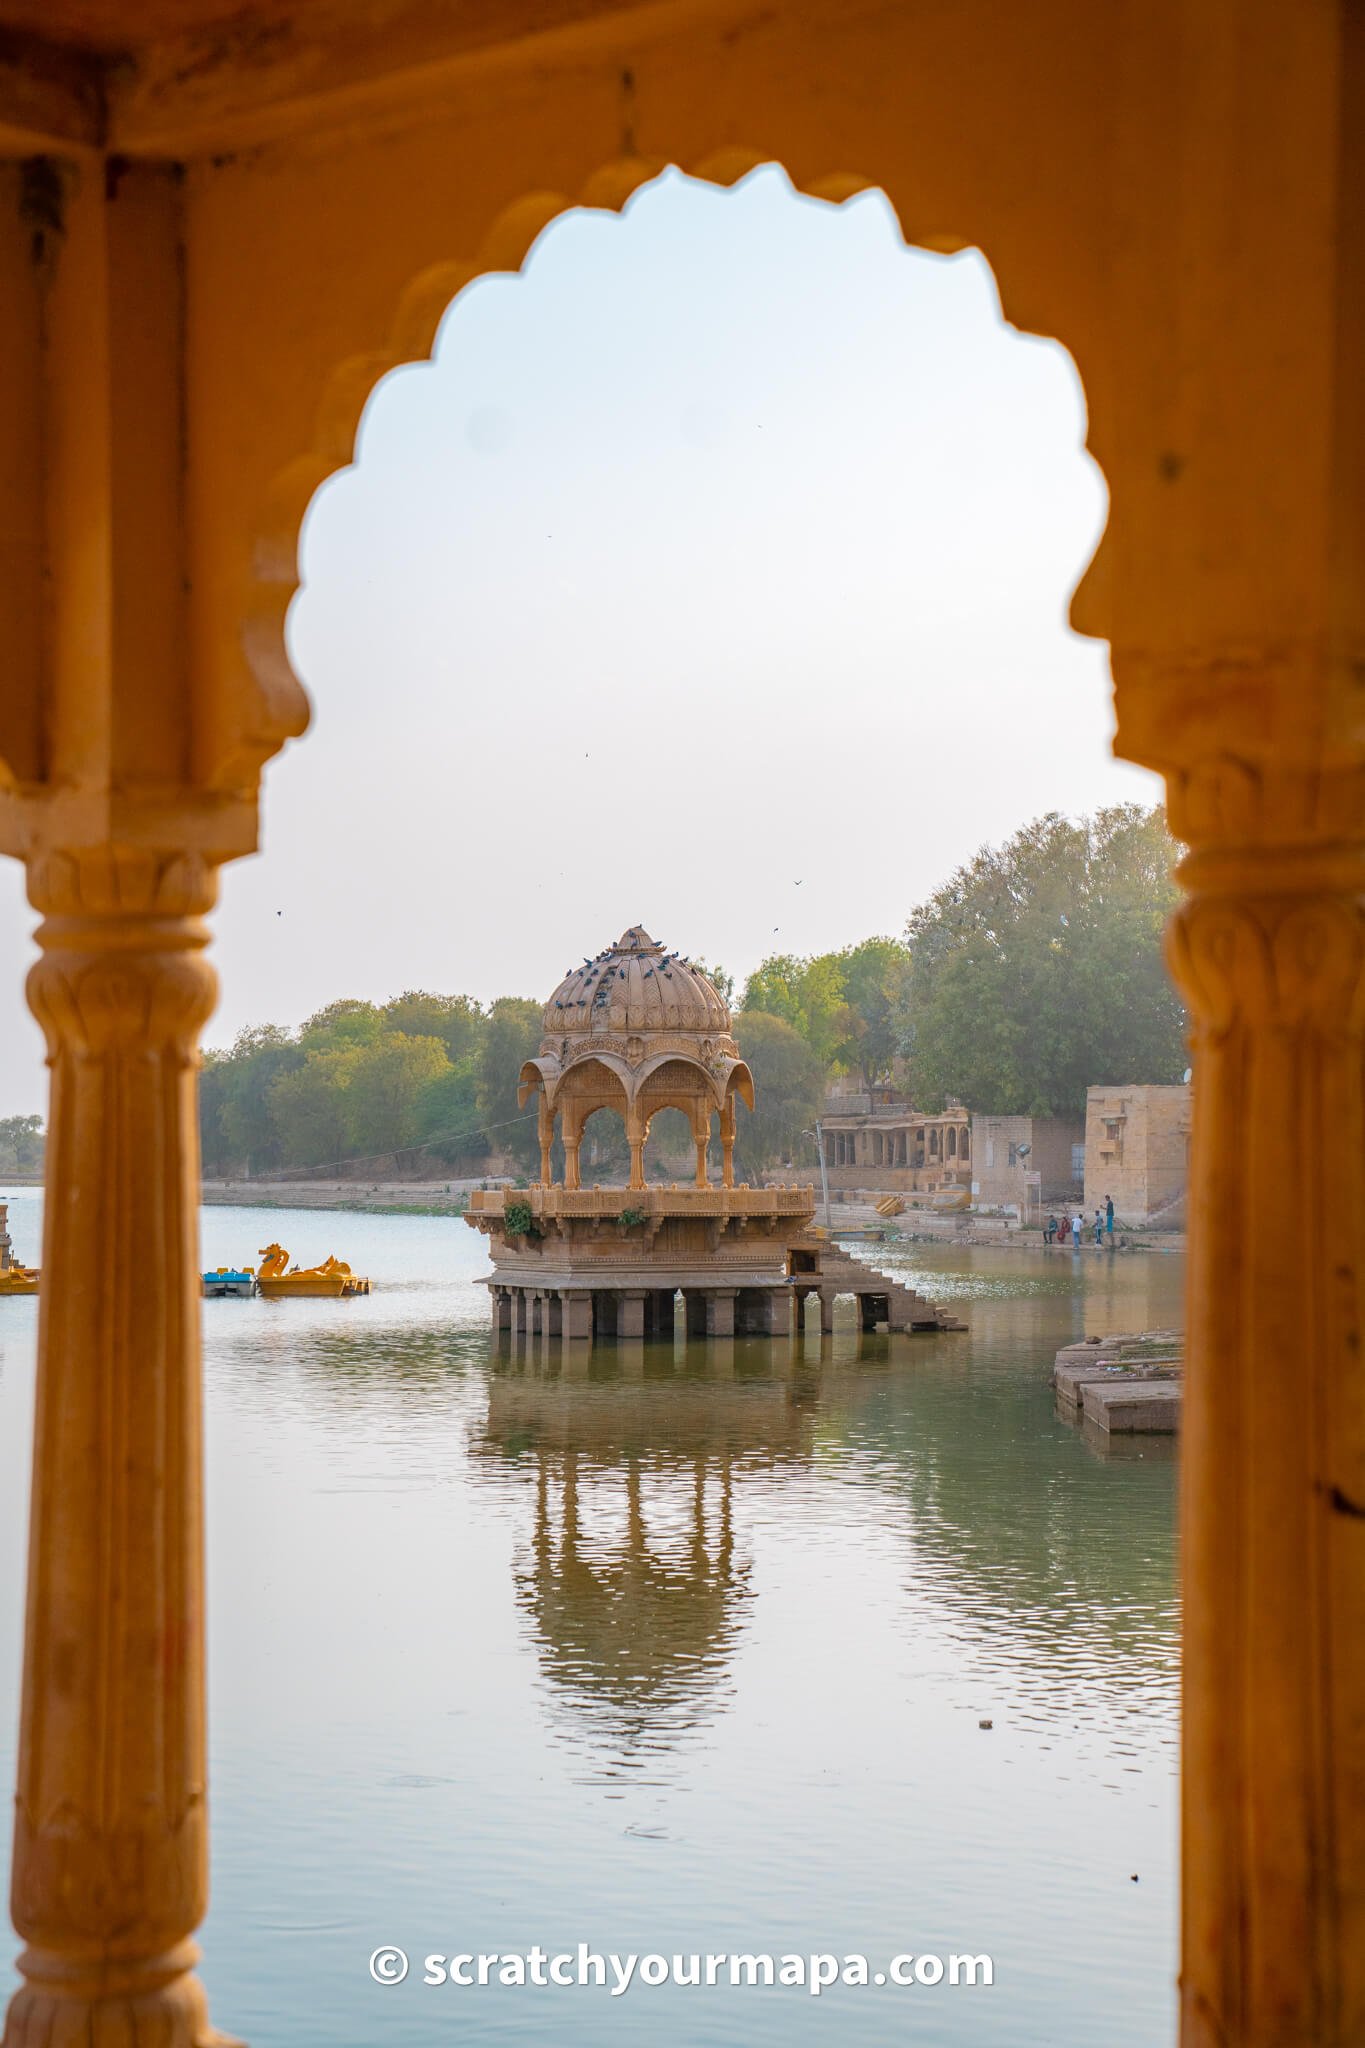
<point x="826" y="1313"/>
<point x="110" y="1874"/>
<point x="501" y="1306"/>
<point x="576" y="1315"/>
<point x="630" y="1313"/>
<point x="779" y="1312"/>
<point x="720" y="1311"/>
<point x="1269" y="949"/>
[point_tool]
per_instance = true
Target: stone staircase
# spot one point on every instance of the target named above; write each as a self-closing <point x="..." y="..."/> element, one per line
<point x="881" y="1298"/>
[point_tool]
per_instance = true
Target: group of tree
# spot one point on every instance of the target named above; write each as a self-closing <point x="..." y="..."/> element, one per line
<point x="1032" y="973"/>
<point x="21" y="1144"/>
<point x="362" y="1082"/>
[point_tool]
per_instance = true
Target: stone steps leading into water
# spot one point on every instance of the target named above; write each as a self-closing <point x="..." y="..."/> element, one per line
<point x="1129" y="1382"/>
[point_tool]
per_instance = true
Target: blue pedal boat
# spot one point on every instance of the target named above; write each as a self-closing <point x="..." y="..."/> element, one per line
<point x="227" y="1280"/>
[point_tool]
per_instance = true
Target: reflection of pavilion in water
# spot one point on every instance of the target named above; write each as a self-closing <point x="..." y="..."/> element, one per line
<point x="635" y="1579"/>
<point x="632" y="1578"/>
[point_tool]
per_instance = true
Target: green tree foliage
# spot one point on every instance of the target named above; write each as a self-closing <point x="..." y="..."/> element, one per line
<point x="456" y="1020"/>
<point x="384" y="1090"/>
<point x="21" y="1144"/>
<point x="1036" y="970"/>
<point x="846" y="1006"/>
<point x="789" y="1088"/>
<point x="343" y="1023"/>
<point x="874" y="977"/>
<point x="245" y="1129"/>
<point x="448" y="1115"/>
<point x="308" y="1109"/>
<point x="807" y="994"/>
<point x="511" y="1036"/>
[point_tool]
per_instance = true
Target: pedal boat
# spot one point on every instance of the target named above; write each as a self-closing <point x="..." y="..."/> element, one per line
<point x="229" y="1280"/>
<point x="333" y="1280"/>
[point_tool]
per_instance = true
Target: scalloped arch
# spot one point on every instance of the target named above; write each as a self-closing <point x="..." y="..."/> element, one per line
<point x="422" y="307"/>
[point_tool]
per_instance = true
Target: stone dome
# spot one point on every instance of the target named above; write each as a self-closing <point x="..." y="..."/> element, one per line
<point x="636" y="987"/>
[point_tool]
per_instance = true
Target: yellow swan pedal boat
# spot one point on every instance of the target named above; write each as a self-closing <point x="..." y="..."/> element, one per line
<point x="16" y="1279"/>
<point x="332" y="1280"/>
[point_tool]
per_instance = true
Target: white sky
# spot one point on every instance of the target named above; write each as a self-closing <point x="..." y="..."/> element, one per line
<point x="727" y="548"/>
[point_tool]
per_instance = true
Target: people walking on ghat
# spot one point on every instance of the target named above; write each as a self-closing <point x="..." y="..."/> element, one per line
<point x="1050" y="1233"/>
<point x="1099" y="1228"/>
<point x="1077" y="1226"/>
<point x="1109" y="1218"/>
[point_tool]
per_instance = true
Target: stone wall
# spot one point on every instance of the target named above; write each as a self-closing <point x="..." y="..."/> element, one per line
<point x="1043" y="1175"/>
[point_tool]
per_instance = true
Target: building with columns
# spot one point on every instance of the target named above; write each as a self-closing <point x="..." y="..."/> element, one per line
<point x="220" y="227"/>
<point x="879" y="1140"/>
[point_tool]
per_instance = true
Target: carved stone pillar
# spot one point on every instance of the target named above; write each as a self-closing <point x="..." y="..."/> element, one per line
<point x="630" y="1313"/>
<point x="571" y="1130"/>
<point x="727" y="1142"/>
<point x="720" y="1311"/>
<point x="635" y="1133"/>
<point x="701" y="1135"/>
<point x="111" y="1835"/>
<point x="1269" y="950"/>
<point x="545" y="1128"/>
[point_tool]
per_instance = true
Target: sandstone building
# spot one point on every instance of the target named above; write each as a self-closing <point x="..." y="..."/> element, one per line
<point x="878" y="1140"/>
<point x="1137" y="1149"/>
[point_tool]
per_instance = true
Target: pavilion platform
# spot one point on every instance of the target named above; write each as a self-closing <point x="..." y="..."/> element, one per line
<point x="609" y="1264"/>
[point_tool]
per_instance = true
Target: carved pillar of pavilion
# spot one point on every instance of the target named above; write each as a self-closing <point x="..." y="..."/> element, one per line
<point x="1269" y="949"/>
<point x="637" y="1129"/>
<point x="701" y="1135"/>
<point x="727" y="1142"/>
<point x="571" y="1131"/>
<point x="130" y="775"/>
<point x="545" y="1129"/>
<point x="111" y="1828"/>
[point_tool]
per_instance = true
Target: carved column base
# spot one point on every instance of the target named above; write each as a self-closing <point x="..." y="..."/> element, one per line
<point x="62" y="2005"/>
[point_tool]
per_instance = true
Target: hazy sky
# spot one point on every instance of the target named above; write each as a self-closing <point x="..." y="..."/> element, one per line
<point x="713" y="577"/>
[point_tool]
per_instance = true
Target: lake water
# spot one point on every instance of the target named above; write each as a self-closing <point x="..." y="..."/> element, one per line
<point x="670" y="1653"/>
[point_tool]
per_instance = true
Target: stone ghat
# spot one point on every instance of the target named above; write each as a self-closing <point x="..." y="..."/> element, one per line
<point x="1128" y="1383"/>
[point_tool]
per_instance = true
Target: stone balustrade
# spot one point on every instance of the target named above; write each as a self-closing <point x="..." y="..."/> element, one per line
<point x="560" y="1203"/>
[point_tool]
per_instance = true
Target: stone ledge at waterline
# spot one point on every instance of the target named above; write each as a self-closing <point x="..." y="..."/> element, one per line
<point x="1131" y="1382"/>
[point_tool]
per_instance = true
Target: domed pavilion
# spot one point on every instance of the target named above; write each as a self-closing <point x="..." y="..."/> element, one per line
<point x="636" y="1029"/>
